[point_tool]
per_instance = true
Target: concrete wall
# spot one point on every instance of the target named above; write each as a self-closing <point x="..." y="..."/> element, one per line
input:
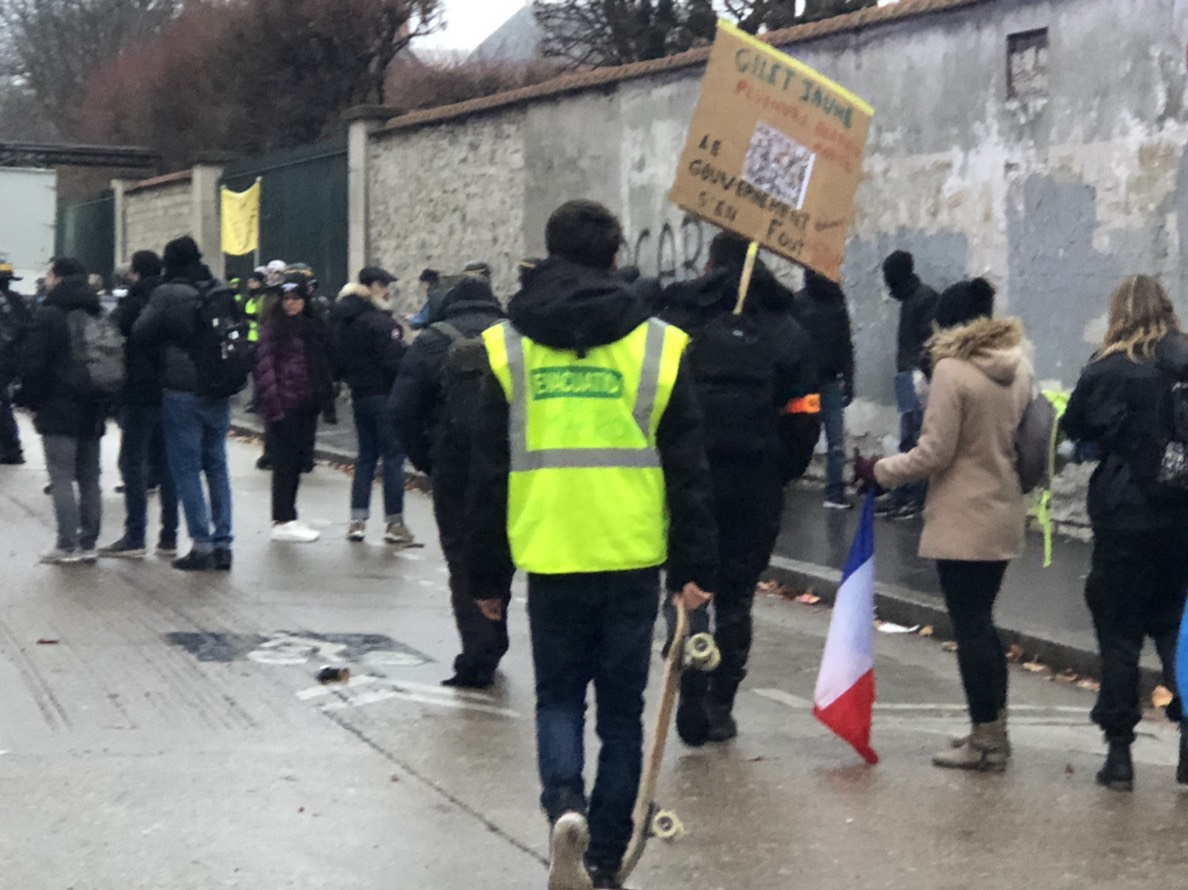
<point x="1054" y="198"/>
<point x="154" y="214"/>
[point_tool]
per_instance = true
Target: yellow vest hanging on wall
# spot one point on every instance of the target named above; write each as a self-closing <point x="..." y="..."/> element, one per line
<point x="586" y="489"/>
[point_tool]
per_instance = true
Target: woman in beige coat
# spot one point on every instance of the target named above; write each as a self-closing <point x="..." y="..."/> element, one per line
<point x="974" y="515"/>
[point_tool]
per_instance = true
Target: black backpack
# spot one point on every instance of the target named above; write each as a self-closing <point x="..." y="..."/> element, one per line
<point x="222" y="353"/>
<point x="734" y="370"/>
<point x="461" y="379"/>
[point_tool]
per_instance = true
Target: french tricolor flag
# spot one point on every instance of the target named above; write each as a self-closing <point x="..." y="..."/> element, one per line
<point x="845" y="694"/>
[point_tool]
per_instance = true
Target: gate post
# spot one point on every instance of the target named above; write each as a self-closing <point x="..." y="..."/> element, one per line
<point x="118" y="211"/>
<point x="363" y="120"/>
<point x="205" y="207"/>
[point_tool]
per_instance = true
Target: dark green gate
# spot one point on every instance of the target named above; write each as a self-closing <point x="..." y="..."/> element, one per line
<point x="86" y="232"/>
<point x="303" y="210"/>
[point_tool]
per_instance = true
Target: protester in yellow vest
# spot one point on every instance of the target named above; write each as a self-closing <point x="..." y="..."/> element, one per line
<point x="589" y="472"/>
<point x="253" y="304"/>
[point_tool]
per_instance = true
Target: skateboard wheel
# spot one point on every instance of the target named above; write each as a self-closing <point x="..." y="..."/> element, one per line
<point x="666" y="825"/>
<point x="701" y="652"/>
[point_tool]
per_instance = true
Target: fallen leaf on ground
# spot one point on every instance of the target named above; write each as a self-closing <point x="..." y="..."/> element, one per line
<point x="1068" y="769"/>
<point x="927" y="630"/>
<point x="1015" y="653"/>
<point x="767" y="587"/>
<point x="886" y="627"/>
<point x="1161" y="697"/>
<point x="1091" y="685"/>
<point x="808" y="598"/>
<point x="754" y="760"/>
<point x="948" y="646"/>
<point x="395" y="778"/>
<point x="1068" y="675"/>
<point x="47" y="642"/>
<point x="1035" y="667"/>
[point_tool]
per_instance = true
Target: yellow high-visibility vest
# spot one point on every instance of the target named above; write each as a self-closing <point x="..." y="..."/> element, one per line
<point x="586" y="489"/>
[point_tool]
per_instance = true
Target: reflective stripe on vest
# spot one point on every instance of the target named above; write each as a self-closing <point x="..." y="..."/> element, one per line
<point x="586" y="488"/>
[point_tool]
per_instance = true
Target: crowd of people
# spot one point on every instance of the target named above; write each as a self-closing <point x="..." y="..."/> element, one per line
<point x="613" y="439"/>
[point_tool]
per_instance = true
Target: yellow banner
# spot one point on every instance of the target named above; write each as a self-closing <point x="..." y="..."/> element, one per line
<point x="774" y="152"/>
<point x="241" y="221"/>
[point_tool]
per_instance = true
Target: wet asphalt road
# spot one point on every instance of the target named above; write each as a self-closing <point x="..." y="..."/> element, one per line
<point x="168" y="732"/>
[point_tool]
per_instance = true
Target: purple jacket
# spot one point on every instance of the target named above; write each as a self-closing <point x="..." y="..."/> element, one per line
<point x="292" y="372"/>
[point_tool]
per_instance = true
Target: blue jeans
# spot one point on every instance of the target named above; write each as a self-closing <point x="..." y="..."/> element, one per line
<point x="833" y="418"/>
<point x="911" y="418"/>
<point x="140" y="425"/>
<point x="592" y="628"/>
<point x="196" y="442"/>
<point x="377" y="441"/>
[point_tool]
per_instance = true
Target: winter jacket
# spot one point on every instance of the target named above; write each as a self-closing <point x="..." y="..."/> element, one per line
<point x="981" y="384"/>
<point x="14" y="322"/>
<point x="367" y="343"/>
<point x="166" y="328"/>
<point x="292" y="371"/>
<point x="693" y="304"/>
<point x="142" y="386"/>
<point x="575" y="308"/>
<point x="1119" y="405"/>
<point x="916" y="310"/>
<point x="417" y="398"/>
<point x="44" y="353"/>
<point x="821" y="309"/>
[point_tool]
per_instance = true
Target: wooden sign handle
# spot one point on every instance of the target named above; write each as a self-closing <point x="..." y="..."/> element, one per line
<point x="744" y="283"/>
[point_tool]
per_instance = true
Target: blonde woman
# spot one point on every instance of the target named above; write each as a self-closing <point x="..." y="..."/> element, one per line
<point x="974" y="516"/>
<point x="1136" y="585"/>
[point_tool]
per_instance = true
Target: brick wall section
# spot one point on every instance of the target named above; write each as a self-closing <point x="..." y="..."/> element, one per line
<point x="156" y="214"/>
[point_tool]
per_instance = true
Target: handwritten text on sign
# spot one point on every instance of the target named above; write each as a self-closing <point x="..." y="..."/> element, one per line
<point x="774" y="152"/>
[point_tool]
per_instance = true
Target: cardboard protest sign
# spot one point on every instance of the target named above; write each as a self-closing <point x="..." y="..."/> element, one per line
<point x="774" y="152"/>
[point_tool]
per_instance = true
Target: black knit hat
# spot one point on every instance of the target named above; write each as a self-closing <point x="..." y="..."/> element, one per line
<point x="964" y="302"/>
<point x="180" y="253"/>
<point x="898" y="268"/>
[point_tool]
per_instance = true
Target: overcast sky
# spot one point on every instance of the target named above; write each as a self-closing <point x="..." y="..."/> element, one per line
<point x="469" y="22"/>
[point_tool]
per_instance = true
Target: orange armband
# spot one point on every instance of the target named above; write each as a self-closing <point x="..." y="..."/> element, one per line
<point x="810" y="404"/>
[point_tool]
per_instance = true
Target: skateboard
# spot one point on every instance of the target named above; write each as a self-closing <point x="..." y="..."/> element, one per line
<point x="700" y="653"/>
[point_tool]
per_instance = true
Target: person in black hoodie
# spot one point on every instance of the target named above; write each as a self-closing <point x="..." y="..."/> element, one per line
<point x="70" y="422"/>
<point x="195" y="425"/>
<point x="917" y="305"/>
<point x="368" y="348"/>
<point x="747" y="371"/>
<point x="590" y="475"/>
<point x="142" y="445"/>
<point x="14" y="318"/>
<point x="1139" y="571"/>
<point x="821" y="309"/>
<point x="438" y="444"/>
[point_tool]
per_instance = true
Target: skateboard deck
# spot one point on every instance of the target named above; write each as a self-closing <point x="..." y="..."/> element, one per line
<point x="684" y="653"/>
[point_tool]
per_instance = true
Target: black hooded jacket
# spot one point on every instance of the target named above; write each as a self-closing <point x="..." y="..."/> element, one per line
<point x="417" y="397"/>
<point x="165" y="329"/>
<point x="43" y="354"/>
<point x="143" y="384"/>
<point x="1121" y="406"/>
<point x="917" y="306"/>
<point x="572" y="307"/>
<point x="821" y="310"/>
<point x="367" y="344"/>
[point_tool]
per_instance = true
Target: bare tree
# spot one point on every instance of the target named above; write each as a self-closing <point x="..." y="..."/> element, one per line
<point x="54" y="45"/>
<point x="754" y="15"/>
<point x="594" y="33"/>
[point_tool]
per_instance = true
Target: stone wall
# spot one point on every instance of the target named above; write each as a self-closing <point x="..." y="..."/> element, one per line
<point x="1037" y="142"/>
<point x="155" y="212"/>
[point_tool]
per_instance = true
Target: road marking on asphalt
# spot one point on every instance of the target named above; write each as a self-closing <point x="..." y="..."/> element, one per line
<point x="798" y="703"/>
<point x="378" y="689"/>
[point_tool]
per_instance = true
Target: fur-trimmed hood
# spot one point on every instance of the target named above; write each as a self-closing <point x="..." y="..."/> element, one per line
<point x="995" y="346"/>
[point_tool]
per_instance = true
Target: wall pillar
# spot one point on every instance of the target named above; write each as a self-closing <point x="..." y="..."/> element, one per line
<point x="119" y="211"/>
<point x="205" y="206"/>
<point x="363" y="121"/>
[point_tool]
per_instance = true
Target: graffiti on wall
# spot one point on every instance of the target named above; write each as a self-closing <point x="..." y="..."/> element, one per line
<point x="670" y="253"/>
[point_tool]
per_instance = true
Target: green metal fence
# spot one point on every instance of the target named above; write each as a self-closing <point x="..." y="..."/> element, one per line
<point x="86" y="232"/>
<point x="303" y="210"/>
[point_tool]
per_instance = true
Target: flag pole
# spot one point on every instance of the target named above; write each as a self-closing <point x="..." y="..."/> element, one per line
<point x="259" y="205"/>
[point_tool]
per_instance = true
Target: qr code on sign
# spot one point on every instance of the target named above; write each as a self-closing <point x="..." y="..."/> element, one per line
<point x="779" y="165"/>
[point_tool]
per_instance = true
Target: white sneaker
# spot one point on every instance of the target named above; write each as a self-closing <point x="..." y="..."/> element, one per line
<point x="398" y="533"/>
<point x="571" y="837"/>
<point x="60" y="557"/>
<point x="357" y="530"/>
<point x="294" y="533"/>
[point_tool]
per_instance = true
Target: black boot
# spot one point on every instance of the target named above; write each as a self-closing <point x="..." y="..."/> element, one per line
<point x="722" y="727"/>
<point x="1118" y="771"/>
